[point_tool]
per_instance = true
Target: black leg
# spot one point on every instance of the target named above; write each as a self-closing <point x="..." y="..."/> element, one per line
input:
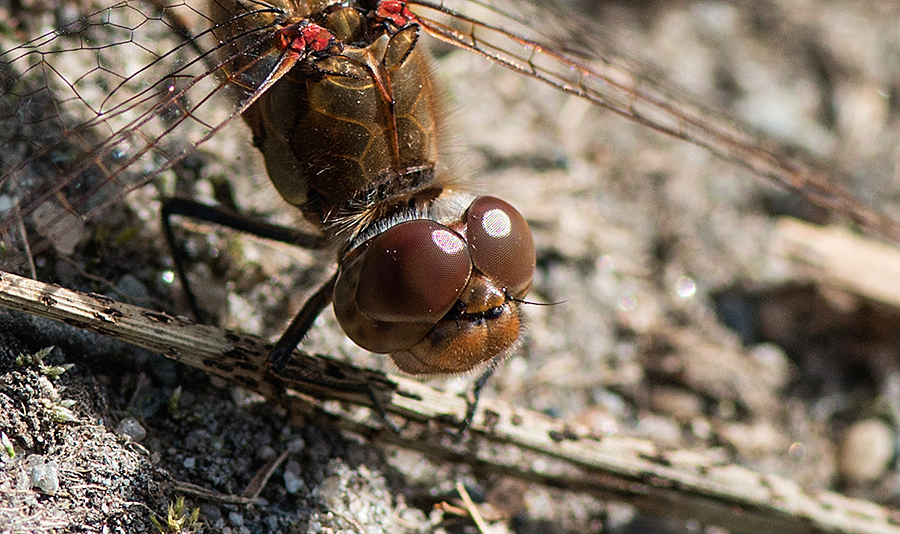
<point x="301" y="324"/>
<point x="178" y="259"/>
<point x="472" y="401"/>
<point x="241" y="223"/>
<point x="281" y="353"/>
<point x="229" y="219"/>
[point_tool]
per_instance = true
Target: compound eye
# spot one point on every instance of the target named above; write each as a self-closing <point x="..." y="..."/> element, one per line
<point x="413" y="272"/>
<point x="501" y="244"/>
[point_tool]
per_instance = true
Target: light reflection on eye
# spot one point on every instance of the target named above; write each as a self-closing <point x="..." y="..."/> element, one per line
<point x="496" y="223"/>
<point x="447" y="241"/>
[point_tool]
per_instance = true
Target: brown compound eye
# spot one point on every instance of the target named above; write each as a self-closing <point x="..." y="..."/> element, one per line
<point x="501" y="244"/>
<point x="413" y="272"/>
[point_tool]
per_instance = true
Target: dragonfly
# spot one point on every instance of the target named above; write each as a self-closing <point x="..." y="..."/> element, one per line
<point x="569" y="381"/>
<point x="84" y="129"/>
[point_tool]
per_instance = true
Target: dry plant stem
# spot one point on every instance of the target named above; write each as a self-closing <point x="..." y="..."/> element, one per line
<point x="843" y="259"/>
<point x="502" y="439"/>
<point x="471" y="508"/>
<point x="211" y="496"/>
<point x="259" y="481"/>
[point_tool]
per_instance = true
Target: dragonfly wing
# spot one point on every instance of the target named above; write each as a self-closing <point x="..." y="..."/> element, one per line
<point x="523" y="37"/>
<point x="81" y="124"/>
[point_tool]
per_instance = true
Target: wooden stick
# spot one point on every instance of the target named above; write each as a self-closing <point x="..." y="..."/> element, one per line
<point x="841" y="258"/>
<point x="502" y="439"/>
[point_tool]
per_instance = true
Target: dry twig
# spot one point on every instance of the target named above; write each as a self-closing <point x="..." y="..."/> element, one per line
<point x="503" y="439"/>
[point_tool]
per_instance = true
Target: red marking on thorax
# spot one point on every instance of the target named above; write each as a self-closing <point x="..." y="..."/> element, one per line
<point x="303" y="39"/>
<point x="396" y="12"/>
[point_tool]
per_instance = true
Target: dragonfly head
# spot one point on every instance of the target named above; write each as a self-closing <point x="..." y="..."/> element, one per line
<point x="439" y="298"/>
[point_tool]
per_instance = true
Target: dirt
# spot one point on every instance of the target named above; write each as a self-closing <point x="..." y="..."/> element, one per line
<point x="664" y="307"/>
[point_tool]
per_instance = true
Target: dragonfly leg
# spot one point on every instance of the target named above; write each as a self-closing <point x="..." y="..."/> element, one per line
<point x="301" y="324"/>
<point x="472" y="398"/>
<point x="376" y="387"/>
<point x="281" y="352"/>
<point x="221" y="216"/>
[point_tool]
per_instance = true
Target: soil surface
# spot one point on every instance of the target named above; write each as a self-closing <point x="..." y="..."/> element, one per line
<point x="673" y="312"/>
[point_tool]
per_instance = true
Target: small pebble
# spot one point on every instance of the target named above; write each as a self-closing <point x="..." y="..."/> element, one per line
<point x="236" y="519"/>
<point x="131" y="287"/>
<point x="210" y="513"/>
<point x="599" y="420"/>
<point x="680" y="404"/>
<point x="866" y="450"/>
<point x="44" y="475"/>
<point x="293" y="483"/>
<point x="132" y="428"/>
<point x="296" y="445"/>
<point x="662" y="430"/>
<point x="266" y="453"/>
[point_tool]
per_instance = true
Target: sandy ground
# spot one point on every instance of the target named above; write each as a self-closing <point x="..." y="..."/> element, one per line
<point x="676" y="315"/>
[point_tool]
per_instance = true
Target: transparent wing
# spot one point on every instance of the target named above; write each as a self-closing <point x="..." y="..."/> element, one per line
<point x="516" y="35"/>
<point x="79" y="126"/>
